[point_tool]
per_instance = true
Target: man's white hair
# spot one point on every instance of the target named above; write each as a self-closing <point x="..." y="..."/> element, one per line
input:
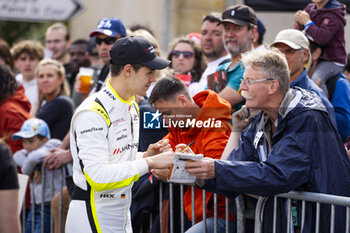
<point x="272" y="63"/>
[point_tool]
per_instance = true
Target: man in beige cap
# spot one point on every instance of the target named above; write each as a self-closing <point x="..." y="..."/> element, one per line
<point x="295" y="46"/>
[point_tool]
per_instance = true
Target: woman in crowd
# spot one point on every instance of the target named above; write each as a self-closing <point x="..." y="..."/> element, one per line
<point x="56" y="109"/>
<point x="187" y="60"/>
<point x="54" y="105"/>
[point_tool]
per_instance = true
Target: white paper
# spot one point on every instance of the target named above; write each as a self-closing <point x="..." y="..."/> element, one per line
<point x="22" y="181"/>
<point x="177" y="172"/>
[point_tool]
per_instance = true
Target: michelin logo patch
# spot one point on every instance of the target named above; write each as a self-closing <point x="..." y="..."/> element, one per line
<point x="151" y="120"/>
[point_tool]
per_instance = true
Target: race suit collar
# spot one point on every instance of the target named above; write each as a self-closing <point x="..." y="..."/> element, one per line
<point x="130" y="101"/>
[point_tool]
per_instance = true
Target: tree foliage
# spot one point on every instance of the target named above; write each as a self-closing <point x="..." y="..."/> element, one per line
<point x="14" y="31"/>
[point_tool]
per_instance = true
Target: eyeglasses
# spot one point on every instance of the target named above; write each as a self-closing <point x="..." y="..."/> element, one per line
<point x="249" y="82"/>
<point x="186" y="54"/>
<point x="289" y="52"/>
<point x="107" y="40"/>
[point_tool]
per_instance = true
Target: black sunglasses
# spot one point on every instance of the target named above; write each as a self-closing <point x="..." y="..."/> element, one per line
<point x="107" y="40"/>
<point x="186" y="54"/>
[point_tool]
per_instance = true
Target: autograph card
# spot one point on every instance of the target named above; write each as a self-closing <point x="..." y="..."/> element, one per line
<point x="177" y="172"/>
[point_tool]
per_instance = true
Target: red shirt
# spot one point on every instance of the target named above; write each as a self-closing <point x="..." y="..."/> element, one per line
<point x="14" y="110"/>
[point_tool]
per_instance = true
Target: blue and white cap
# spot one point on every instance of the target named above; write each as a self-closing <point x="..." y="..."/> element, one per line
<point x="32" y="127"/>
<point x="110" y="27"/>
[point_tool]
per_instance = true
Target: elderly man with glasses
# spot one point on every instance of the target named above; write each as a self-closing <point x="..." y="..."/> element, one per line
<point x="285" y="147"/>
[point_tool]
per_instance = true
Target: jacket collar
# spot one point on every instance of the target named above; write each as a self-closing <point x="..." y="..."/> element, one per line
<point x="300" y="80"/>
<point x="109" y="87"/>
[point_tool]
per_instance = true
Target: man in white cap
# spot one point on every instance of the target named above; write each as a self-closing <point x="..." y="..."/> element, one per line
<point x="295" y="46"/>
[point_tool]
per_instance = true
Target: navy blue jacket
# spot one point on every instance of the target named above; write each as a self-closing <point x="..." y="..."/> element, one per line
<point x="306" y="154"/>
<point x="304" y="81"/>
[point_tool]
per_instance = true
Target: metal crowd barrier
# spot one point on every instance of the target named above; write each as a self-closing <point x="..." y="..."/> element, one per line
<point x="43" y="181"/>
<point x="318" y="198"/>
<point x="240" y="218"/>
<point x="239" y="203"/>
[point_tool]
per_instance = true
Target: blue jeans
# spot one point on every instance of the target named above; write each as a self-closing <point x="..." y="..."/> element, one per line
<point x="197" y="228"/>
<point x="37" y="219"/>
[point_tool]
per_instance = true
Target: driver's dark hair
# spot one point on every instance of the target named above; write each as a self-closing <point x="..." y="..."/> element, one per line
<point x="166" y="88"/>
<point x="117" y="69"/>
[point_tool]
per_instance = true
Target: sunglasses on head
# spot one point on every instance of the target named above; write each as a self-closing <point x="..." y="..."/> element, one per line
<point x="107" y="40"/>
<point x="186" y="54"/>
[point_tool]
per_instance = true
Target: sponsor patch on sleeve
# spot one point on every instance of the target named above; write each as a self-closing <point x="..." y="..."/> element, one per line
<point x="91" y="130"/>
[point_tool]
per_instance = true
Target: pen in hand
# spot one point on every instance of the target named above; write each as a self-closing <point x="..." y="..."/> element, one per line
<point x="190" y="144"/>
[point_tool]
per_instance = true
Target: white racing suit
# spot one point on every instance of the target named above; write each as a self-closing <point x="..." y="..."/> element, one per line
<point x="104" y="140"/>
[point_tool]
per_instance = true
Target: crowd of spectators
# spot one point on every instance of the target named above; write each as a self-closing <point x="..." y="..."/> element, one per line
<point x="289" y="100"/>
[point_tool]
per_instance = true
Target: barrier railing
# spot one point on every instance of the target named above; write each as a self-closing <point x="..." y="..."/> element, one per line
<point x="240" y="220"/>
<point x="317" y="198"/>
<point x="304" y="197"/>
<point x="42" y="204"/>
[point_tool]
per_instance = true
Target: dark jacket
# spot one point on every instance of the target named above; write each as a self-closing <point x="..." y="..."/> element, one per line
<point x="328" y="30"/>
<point x="57" y="114"/>
<point x="303" y="81"/>
<point x="306" y="154"/>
